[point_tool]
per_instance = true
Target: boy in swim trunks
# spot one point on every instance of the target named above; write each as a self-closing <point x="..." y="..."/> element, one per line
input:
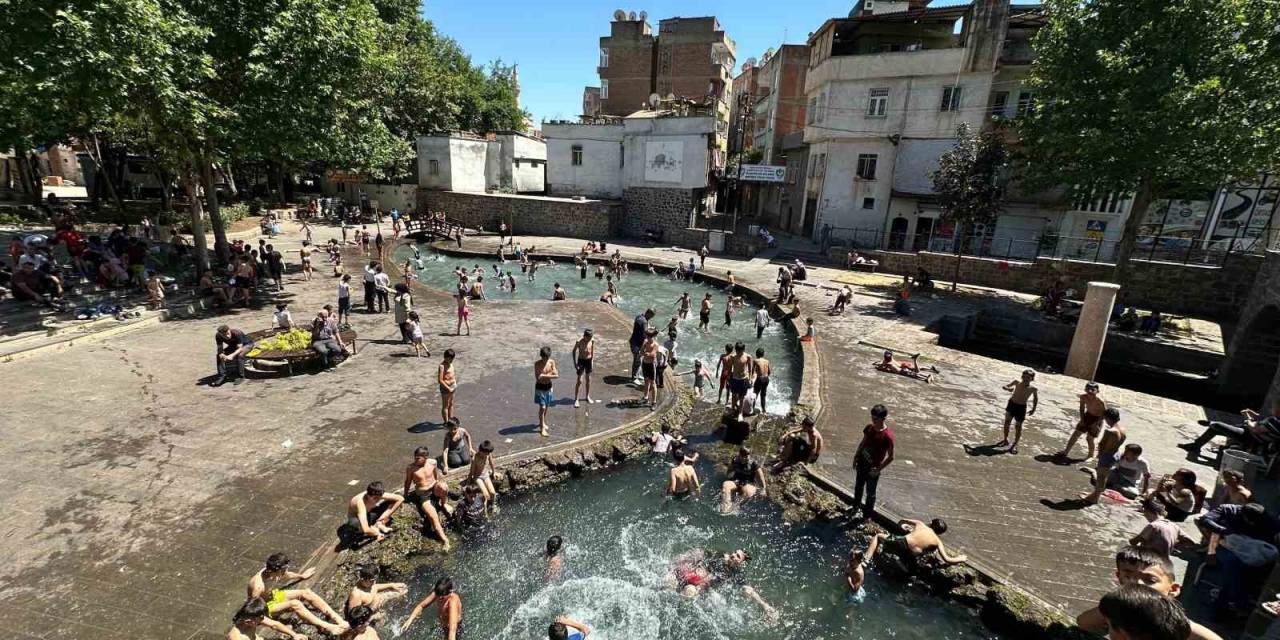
<point x="855" y="575"/>
<point x="703" y="569"/>
<point x="704" y="314"/>
<point x="1109" y="444"/>
<point x="544" y="372"/>
<point x="268" y="584"/>
<point x="722" y="370"/>
<point x="369" y="511"/>
<point x="450" y="609"/>
<point x="1092" y="408"/>
<point x="422" y="481"/>
<point x="700" y="377"/>
<point x="584" y="353"/>
<point x="447" y="380"/>
<point x="1016" y="409"/>
<point x="744" y="476"/>
<point x="481" y="472"/>
<point x="761" y="375"/>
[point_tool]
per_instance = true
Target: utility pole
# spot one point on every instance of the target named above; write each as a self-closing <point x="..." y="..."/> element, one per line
<point x="745" y="107"/>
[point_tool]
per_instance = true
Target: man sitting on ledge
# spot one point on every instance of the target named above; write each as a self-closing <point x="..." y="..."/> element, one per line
<point x="1256" y="432"/>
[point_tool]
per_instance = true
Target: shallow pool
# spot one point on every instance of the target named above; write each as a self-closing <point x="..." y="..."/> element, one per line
<point x="620" y="536"/>
<point x="640" y="290"/>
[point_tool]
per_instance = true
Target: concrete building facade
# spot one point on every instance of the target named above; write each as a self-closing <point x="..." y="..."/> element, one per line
<point x="584" y="159"/>
<point x="886" y="89"/>
<point x="507" y="161"/>
<point x="590" y="102"/>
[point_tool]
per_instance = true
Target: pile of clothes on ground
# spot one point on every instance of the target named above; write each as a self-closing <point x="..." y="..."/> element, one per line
<point x="106" y="309"/>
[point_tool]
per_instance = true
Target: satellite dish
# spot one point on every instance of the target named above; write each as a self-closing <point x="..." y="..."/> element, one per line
<point x="633" y="16"/>
<point x="619" y="15"/>
<point x="644" y="15"/>
<point x="768" y="53"/>
<point x="751" y="62"/>
<point x="654" y="100"/>
<point x="671" y="96"/>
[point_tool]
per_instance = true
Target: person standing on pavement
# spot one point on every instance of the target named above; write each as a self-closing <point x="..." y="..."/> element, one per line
<point x="702" y="256"/>
<point x="874" y="453"/>
<point x="369" y="287"/>
<point x="638" y="330"/>
<point x="382" y="288"/>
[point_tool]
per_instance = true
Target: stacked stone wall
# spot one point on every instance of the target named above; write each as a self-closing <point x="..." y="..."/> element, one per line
<point x="531" y="215"/>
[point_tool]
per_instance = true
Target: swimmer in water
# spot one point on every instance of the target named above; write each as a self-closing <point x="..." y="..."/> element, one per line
<point x="683" y="478"/>
<point x="855" y="575"/>
<point x="555" y="562"/>
<point x="703" y="569"/>
<point x="367" y="592"/>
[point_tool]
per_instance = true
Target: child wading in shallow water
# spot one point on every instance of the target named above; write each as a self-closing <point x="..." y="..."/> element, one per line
<point x="481" y="472"/>
<point x="700" y="377"/>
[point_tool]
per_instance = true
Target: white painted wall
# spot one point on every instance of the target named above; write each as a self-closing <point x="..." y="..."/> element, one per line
<point x="692" y="134"/>
<point x="599" y="175"/>
<point x="434" y="148"/>
<point x="467" y="168"/>
<point x="529" y="176"/>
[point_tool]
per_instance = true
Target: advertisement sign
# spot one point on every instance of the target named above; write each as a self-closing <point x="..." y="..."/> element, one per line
<point x="1245" y="213"/>
<point x="763" y="173"/>
<point x="1095" y="229"/>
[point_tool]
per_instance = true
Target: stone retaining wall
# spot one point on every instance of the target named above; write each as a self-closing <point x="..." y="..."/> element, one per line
<point x="527" y="215"/>
<point x="671" y="210"/>
<point x="1183" y="289"/>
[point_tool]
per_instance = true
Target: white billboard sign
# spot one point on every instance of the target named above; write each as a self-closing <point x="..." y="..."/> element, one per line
<point x="763" y="173"/>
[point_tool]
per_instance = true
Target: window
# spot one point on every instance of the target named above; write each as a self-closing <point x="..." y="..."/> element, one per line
<point x="604" y="57"/>
<point x="868" y="203"/>
<point x="950" y="99"/>
<point x="1026" y="103"/>
<point x="434" y="167"/>
<point x="878" y="104"/>
<point x="1001" y="105"/>
<point x="813" y="110"/>
<point x="822" y="164"/>
<point x="867" y="165"/>
<point x="577" y="155"/>
<point x="622" y="155"/>
<point x="604" y="89"/>
<point x="822" y="108"/>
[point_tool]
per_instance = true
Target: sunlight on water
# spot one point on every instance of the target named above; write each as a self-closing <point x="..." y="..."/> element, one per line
<point x="621" y="535"/>
<point x="639" y="290"/>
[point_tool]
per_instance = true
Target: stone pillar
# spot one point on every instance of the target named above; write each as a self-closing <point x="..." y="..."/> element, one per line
<point x="1091" y="330"/>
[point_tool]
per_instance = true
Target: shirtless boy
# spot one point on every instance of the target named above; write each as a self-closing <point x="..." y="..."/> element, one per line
<point x="369" y="511"/>
<point x="361" y="621"/>
<point x="450" y="609"/>
<point x="1147" y="568"/>
<point x="584" y="352"/>
<point x="268" y="584"/>
<point x="447" y="379"/>
<point x="740" y="370"/>
<point x="1092" y="409"/>
<point x="544" y="373"/>
<point x="921" y="539"/>
<point x="422" y="480"/>
<point x="684" y="304"/>
<point x="744" y="476"/>
<point x="1016" y="410"/>
<point x="368" y="592"/>
<point x="704" y="314"/>
<point x="253" y="615"/>
<point x="481" y="473"/>
<point x="761" y="375"/>
<point x="722" y="371"/>
<point x="855" y="575"/>
<point x="1113" y="438"/>
<point x="909" y="369"/>
<point x="683" y="477"/>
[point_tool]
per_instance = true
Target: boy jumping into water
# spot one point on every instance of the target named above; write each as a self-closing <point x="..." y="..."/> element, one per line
<point x="1016" y="410"/>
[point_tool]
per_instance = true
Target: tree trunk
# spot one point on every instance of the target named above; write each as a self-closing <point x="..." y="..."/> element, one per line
<point x="95" y="152"/>
<point x="229" y="176"/>
<point x="166" y="196"/>
<point x="1142" y="199"/>
<point x="200" y="246"/>
<point x="278" y="170"/>
<point x="286" y="179"/>
<point x="28" y="179"/>
<point x="221" y="248"/>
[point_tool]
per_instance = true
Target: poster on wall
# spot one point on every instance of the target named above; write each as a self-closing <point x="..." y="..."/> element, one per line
<point x="1245" y="213"/>
<point x="663" y="161"/>
<point x="1174" y="223"/>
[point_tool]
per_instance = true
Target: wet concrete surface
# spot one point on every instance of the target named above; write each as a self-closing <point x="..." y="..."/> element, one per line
<point x="141" y="500"/>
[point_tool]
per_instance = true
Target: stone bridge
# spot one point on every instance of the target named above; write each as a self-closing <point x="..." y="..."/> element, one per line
<point x="1253" y="353"/>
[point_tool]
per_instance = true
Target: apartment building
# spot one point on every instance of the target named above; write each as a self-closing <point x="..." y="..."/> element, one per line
<point x="886" y="89"/>
<point x="687" y="59"/>
<point x="778" y="112"/>
<point x="590" y="102"/>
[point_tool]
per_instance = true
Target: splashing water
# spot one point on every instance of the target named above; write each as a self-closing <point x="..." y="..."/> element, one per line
<point x="620" y="537"/>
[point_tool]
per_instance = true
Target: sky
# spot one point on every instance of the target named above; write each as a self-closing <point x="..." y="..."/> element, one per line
<point x="557" y="42"/>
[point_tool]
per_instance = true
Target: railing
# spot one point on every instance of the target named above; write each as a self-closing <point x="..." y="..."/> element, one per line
<point x="431" y="225"/>
<point x="1147" y="247"/>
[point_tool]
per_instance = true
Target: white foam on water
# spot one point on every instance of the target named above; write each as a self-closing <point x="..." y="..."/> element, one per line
<point x="614" y="609"/>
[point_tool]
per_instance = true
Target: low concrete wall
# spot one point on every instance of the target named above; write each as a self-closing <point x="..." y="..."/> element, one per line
<point x="527" y="215"/>
<point x="1184" y="289"/>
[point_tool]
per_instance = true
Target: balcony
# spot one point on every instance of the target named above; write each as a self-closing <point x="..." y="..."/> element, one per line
<point x="925" y="62"/>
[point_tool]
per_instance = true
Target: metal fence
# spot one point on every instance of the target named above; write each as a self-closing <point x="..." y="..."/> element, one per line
<point x="1008" y="247"/>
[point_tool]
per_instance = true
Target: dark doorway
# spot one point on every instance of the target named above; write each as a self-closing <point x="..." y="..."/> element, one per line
<point x="924" y="231"/>
<point x="810" y="209"/>
<point x="898" y="234"/>
<point x="1252" y="368"/>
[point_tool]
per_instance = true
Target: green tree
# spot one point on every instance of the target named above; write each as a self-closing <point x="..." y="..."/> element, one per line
<point x="969" y="183"/>
<point x="1153" y="98"/>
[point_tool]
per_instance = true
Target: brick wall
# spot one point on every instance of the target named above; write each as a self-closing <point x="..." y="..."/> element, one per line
<point x="1194" y="290"/>
<point x="527" y="214"/>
